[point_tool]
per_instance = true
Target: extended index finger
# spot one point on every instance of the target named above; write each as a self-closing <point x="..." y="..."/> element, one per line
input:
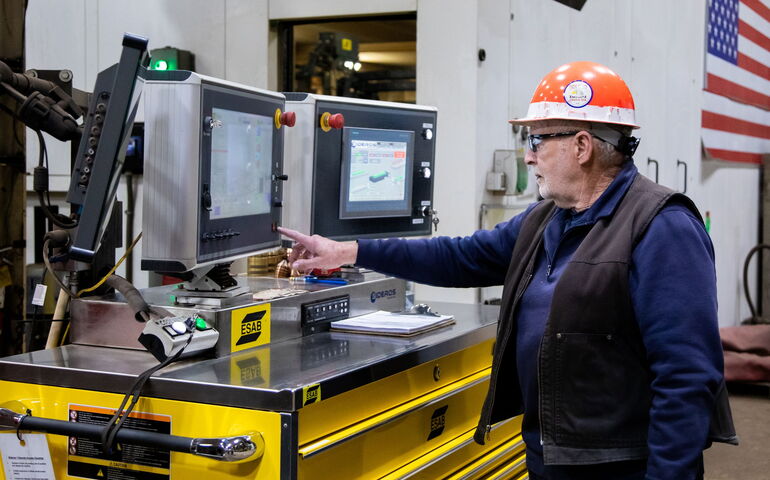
<point x="295" y="235"/>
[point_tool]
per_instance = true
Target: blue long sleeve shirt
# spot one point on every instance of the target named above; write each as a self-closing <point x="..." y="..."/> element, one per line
<point x="673" y="291"/>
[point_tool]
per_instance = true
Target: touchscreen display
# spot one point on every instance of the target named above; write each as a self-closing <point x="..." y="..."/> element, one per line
<point x="241" y="152"/>
<point x="376" y="173"/>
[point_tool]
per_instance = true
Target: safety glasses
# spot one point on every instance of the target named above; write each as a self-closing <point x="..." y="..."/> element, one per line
<point x="535" y="140"/>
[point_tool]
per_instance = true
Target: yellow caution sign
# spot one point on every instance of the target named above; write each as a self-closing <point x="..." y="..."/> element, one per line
<point x="100" y="473"/>
<point x="249" y="327"/>
<point x="311" y="394"/>
<point x="347" y="44"/>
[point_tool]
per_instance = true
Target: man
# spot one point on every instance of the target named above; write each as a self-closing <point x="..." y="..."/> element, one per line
<point x="608" y="339"/>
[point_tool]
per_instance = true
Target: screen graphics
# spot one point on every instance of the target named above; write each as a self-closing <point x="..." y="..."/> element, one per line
<point x="376" y="173"/>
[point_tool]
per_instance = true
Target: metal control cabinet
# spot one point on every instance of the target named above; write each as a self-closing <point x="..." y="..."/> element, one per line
<point x="360" y="406"/>
<point x="315" y="154"/>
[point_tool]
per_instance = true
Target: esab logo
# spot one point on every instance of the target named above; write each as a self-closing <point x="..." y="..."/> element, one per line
<point x="437" y="422"/>
<point x="250" y="327"/>
<point x="311" y="394"/>
<point x="382" y="294"/>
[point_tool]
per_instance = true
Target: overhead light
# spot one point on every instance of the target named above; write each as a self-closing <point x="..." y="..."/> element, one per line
<point x="357" y="66"/>
<point x="348" y="64"/>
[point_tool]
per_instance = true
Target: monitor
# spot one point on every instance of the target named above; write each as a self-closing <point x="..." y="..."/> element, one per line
<point x="359" y="168"/>
<point x="376" y="173"/>
<point x="212" y="171"/>
<point x="102" y="149"/>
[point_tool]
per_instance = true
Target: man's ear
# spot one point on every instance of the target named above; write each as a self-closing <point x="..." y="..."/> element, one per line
<point x="584" y="147"/>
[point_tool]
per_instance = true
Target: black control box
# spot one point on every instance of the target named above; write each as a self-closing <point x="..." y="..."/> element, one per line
<point x="316" y="316"/>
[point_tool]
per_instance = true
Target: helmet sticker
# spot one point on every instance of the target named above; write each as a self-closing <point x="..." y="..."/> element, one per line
<point x="578" y="94"/>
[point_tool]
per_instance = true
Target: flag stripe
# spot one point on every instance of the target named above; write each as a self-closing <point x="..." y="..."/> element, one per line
<point x="747" y="63"/>
<point x="753" y="51"/>
<point x="729" y="89"/>
<point x="718" y="121"/>
<point x="733" y="156"/>
<point x="753" y="34"/>
<point x="729" y="71"/>
<point x="750" y="17"/>
<point x="758" y="7"/>
<point x="734" y="141"/>
<point x="725" y="106"/>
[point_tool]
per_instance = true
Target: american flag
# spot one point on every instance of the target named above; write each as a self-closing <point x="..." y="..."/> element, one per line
<point x="736" y="109"/>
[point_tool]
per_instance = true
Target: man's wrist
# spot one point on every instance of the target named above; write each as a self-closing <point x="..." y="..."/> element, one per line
<point x="349" y="252"/>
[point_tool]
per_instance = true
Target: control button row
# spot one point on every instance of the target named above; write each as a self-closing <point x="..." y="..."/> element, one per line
<point x="219" y="235"/>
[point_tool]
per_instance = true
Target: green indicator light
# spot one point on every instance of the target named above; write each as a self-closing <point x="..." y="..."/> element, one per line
<point x="161" y="65"/>
<point x="200" y="324"/>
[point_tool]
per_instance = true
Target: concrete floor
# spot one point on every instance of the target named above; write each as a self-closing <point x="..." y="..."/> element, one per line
<point x="751" y="459"/>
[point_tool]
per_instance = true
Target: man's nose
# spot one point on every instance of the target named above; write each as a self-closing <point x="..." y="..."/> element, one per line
<point x="529" y="157"/>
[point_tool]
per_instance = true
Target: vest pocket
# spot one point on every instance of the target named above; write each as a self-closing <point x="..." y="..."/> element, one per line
<point x="601" y="392"/>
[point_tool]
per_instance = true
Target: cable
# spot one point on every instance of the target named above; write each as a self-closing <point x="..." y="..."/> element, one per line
<point x="112" y="270"/>
<point x="50" y="269"/>
<point x="754" y="319"/>
<point x="116" y="422"/>
<point x="40" y="185"/>
<point x="64" y="335"/>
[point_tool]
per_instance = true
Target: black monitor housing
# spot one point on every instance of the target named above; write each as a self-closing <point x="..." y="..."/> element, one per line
<point x="102" y="148"/>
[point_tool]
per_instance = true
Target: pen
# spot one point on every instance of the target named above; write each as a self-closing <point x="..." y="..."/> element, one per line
<point x="328" y="281"/>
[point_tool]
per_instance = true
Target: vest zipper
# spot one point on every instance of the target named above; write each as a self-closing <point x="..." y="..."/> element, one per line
<point x="496" y="361"/>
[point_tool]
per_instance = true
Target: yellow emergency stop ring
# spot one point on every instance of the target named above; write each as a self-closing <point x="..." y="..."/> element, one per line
<point x="277" y="118"/>
<point x="325" y="121"/>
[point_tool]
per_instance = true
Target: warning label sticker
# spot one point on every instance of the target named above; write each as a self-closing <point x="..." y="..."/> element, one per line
<point x="86" y="459"/>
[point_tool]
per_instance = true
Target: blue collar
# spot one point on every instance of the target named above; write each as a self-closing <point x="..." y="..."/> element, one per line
<point x="605" y="205"/>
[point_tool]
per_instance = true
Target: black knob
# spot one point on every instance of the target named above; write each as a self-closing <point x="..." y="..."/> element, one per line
<point x="206" y="197"/>
<point x="278" y="204"/>
<point x="283" y="177"/>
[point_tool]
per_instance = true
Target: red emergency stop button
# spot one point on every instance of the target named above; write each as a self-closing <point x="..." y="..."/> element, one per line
<point x="337" y="121"/>
<point x="288" y="119"/>
<point x="329" y="121"/>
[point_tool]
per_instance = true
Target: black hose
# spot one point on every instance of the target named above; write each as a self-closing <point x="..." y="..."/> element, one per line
<point x="142" y="310"/>
<point x="754" y="319"/>
<point x="133" y="297"/>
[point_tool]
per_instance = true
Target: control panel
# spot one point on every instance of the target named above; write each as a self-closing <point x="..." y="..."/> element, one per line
<point x="317" y="315"/>
<point x="165" y="337"/>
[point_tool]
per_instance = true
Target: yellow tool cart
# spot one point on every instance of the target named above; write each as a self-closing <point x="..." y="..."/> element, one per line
<point x="328" y="405"/>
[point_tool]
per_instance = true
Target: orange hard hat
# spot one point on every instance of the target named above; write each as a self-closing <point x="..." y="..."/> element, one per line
<point x="584" y="91"/>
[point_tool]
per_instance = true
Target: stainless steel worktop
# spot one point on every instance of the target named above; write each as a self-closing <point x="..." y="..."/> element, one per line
<point x="269" y="377"/>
